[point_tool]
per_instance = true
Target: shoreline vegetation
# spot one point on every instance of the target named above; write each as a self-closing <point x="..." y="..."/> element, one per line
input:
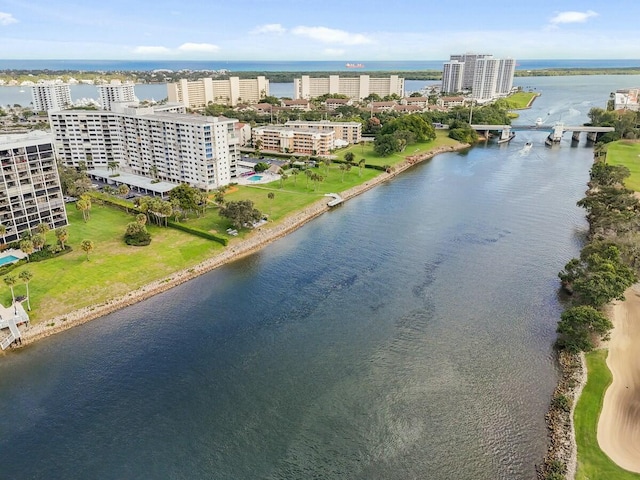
<point x="252" y="243"/>
<point x="593" y="418"/>
<point x="144" y="76"/>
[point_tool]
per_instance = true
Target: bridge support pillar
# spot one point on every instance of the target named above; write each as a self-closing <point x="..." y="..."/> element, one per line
<point x="592" y="136"/>
<point x="556" y="135"/>
<point x="505" y="134"/>
<point x="575" y="136"/>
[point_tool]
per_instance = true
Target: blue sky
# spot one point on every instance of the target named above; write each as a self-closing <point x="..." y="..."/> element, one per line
<point x="348" y="30"/>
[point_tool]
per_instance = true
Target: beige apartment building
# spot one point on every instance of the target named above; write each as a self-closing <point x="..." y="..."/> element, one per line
<point x="349" y="132"/>
<point x="296" y="141"/>
<point x="199" y="93"/>
<point x="357" y="88"/>
<point x="30" y="191"/>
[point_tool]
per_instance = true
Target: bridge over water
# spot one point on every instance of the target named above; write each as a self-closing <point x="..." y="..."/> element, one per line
<point x="555" y="131"/>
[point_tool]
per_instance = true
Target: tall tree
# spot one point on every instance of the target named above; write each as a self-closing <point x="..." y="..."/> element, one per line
<point x="43" y="229"/>
<point x="26" y="277"/>
<point x="27" y="247"/>
<point x="84" y="205"/>
<point x="271" y="196"/>
<point x="10" y="281"/>
<point x="38" y="241"/>
<point x="241" y="213"/>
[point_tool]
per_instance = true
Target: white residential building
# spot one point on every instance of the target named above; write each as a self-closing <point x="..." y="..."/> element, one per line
<point x="469" y="60"/>
<point x="116" y="91"/>
<point x="357" y="88"/>
<point x="30" y="191"/>
<point x="485" y="79"/>
<point x="349" y="132"/>
<point x="147" y="142"/>
<point x="232" y="91"/>
<point x="504" y="81"/>
<point x="50" y="96"/>
<point x="452" y="75"/>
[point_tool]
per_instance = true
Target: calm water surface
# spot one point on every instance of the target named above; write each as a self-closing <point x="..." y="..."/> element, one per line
<point x="406" y="334"/>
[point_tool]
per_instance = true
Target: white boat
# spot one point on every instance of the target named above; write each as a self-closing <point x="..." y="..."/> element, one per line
<point x="538" y="122"/>
<point x="527" y="146"/>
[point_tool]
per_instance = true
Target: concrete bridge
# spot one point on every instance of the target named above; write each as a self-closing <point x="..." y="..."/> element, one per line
<point x="555" y="131"/>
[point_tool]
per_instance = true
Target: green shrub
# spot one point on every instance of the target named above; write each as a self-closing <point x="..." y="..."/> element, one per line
<point x="200" y="233"/>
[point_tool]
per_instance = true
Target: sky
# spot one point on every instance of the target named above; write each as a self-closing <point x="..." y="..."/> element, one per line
<point x="349" y="30"/>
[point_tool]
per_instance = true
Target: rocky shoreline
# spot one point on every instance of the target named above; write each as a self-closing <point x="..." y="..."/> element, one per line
<point x="235" y="250"/>
<point x="561" y="456"/>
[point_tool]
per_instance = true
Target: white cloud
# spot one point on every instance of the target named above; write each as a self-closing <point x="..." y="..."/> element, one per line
<point x="151" y="50"/>
<point x="334" y="52"/>
<point x="573" y="17"/>
<point x="198" y="47"/>
<point x="7" y="19"/>
<point x="268" y="28"/>
<point x="330" y="35"/>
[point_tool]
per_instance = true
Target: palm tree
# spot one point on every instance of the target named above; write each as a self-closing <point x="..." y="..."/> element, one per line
<point x="10" y="281"/>
<point x="3" y="231"/>
<point x="361" y="165"/>
<point x="43" y="229"/>
<point x="87" y="247"/>
<point x="123" y="190"/>
<point x="343" y="168"/>
<point x="27" y="247"/>
<point x="295" y="172"/>
<point x="349" y="157"/>
<point x="141" y="218"/>
<point x="38" y="241"/>
<point x="84" y="205"/>
<point x="271" y="196"/>
<point x="308" y="174"/>
<point x="62" y="235"/>
<point x="26" y="277"/>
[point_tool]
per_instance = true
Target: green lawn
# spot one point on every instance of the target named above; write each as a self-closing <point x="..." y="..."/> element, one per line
<point x="371" y="158"/>
<point x="69" y="282"/>
<point x="593" y="464"/>
<point x="519" y="100"/>
<point x="627" y="153"/>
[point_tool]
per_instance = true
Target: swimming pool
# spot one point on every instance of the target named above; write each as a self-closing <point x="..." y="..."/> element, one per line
<point x="8" y="259"/>
<point x="255" y="178"/>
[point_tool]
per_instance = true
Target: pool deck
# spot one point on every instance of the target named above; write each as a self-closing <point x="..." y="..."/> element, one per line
<point x="266" y="178"/>
<point x="19" y="254"/>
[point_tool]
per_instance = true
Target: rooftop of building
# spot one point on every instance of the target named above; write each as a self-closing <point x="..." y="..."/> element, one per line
<point x="18" y="139"/>
<point x="132" y="180"/>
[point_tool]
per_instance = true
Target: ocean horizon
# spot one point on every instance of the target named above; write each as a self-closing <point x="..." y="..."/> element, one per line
<point x="286" y="65"/>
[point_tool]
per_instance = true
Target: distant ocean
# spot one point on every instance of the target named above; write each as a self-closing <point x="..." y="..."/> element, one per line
<point x="285" y="66"/>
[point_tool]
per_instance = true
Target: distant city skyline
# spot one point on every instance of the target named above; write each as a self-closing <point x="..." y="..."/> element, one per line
<point x="298" y="30"/>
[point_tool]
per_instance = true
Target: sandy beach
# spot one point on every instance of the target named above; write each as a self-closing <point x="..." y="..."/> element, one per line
<point x="619" y="423"/>
<point x="236" y="249"/>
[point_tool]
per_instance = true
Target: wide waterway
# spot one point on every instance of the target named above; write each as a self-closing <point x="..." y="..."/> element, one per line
<point x="406" y="334"/>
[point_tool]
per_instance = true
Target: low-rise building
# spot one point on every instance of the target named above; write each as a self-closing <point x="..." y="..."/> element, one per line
<point x="295" y="141"/>
<point x="627" y="99"/>
<point x="349" y="132"/>
<point x="450" y="102"/>
<point x="30" y="191"/>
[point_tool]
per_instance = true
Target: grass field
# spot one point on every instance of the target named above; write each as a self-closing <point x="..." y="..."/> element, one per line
<point x="519" y="100"/>
<point x="593" y="464"/>
<point x="627" y="153"/>
<point x="372" y="158"/>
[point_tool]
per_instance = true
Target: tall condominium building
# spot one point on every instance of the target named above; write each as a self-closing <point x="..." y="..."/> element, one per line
<point x="506" y="70"/>
<point x="469" y="60"/>
<point x="116" y="91"/>
<point x="452" y="75"/>
<point x="281" y="139"/>
<point x="357" y="88"/>
<point x="200" y="93"/>
<point x="50" y="96"/>
<point x="485" y="79"/>
<point x="30" y="191"/>
<point x="147" y="142"/>
<point x="349" y="132"/>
